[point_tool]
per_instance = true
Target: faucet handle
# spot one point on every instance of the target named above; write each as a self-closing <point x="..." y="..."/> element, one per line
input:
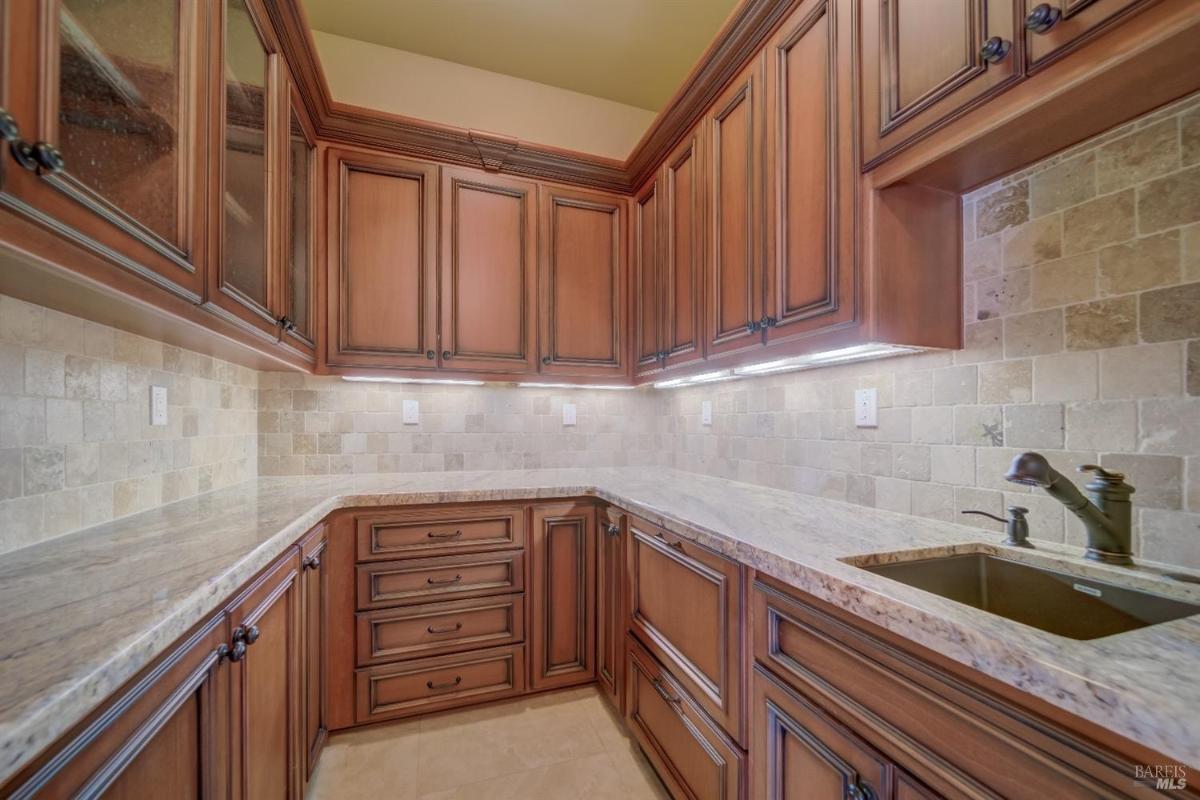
<point x="1102" y="473"/>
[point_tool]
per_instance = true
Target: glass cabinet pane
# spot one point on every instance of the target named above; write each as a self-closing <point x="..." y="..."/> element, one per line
<point x="299" y="273"/>
<point x="123" y="108"/>
<point x="246" y="185"/>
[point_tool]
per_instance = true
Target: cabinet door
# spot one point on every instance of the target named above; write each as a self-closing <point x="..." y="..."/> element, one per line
<point x="647" y="286"/>
<point x="683" y="253"/>
<point x="382" y="251"/>
<point x="298" y="300"/>
<point x="801" y="753"/>
<point x="610" y="604"/>
<point x="735" y="189"/>
<point x="267" y="686"/>
<point x="164" y="735"/>
<point x="563" y="617"/>
<point x="924" y="61"/>
<point x="489" y="272"/>
<point x="113" y="97"/>
<point x="582" y="280"/>
<point x="314" y="589"/>
<point x="811" y="171"/>
<point x="1055" y="27"/>
<point x="243" y="282"/>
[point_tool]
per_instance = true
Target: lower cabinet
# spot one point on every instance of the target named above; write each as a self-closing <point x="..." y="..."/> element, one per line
<point x="563" y="640"/>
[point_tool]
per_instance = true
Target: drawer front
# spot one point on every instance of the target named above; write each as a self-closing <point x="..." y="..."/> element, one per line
<point x="429" y="684"/>
<point x="691" y="754"/>
<point x="686" y="605"/>
<point x="958" y="739"/>
<point x="436" y="531"/>
<point x="422" y="580"/>
<point x="416" y="631"/>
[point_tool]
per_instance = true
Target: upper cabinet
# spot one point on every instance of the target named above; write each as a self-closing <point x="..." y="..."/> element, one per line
<point x="109" y="130"/>
<point x="648" y="298"/>
<point x="683" y="252"/>
<point x="1052" y="28"/>
<point x="488" y="272"/>
<point x="298" y="300"/>
<point x="582" y="283"/>
<point x="924" y="61"/>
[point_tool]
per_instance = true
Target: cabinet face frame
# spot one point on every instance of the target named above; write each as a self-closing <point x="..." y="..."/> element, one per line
<point x="691" y="152"/>
<point x="452" y="355"/>
<point x="314" y="590"/>
<point x="304" y="340"/>
<point x="648" y="327"/>
<point x="74" y="211"/>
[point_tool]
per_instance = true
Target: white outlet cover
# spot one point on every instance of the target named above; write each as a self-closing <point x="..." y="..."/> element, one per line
<point x="412" y="412"/>
<point x="866" y="408"/>
<point x="158" y="406"/>
<point x="568" y="413"/>
<point x="706" y="412"/>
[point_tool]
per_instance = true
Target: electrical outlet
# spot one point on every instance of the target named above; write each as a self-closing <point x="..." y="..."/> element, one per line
<point x="158" y="406"/>
<point x="412" y="412"/>
<point x="568" y="413"/>
<point x="866" y="408"/>
<point x="706" y="412"/>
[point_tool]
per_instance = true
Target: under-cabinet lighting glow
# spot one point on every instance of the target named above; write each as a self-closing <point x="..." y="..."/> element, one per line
<point x="771" y="367"/>
<point x="703" y="377"/>
<point x="572" y="386"/>
<point x="860" y="352"/>
<point x="439" y="381"/>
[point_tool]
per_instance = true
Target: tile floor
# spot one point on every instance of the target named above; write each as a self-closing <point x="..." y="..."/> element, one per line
<point x="566" y="744"/>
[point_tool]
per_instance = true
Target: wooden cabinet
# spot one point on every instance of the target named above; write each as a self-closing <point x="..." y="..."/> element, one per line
<point x="266" y="684"/>
<point x="648" y="355"/>
<point x="488" y="272"/>
<point x="1054" y="28"/>
<point x="734" y="127"/>
<point x="686" y="604"/>
<point x="439" y="531"/>
<point x="924" y="61"/>
<point x="692" y="755"/>
<point x="562" y="600"/>
<point x="423" y="580"/>
<point x="298" y="301"/>
<point x="610" y="603"/>
<point x="382" y="261"/>
<point x="683" y="252"/>
<point x="582" y="283"/>
<point x="811" y="173"/>
<point x="314" y="599"/>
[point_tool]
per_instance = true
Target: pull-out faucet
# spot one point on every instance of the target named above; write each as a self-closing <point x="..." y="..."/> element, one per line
<point x="1106" y="517"/>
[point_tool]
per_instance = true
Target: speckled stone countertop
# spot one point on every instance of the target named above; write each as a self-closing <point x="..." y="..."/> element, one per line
<point x="85" y="612"/>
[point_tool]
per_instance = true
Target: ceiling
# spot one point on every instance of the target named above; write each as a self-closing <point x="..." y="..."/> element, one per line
<point x="635" y="52"/>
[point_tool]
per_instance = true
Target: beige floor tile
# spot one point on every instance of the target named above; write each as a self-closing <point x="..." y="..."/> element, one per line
<point x="593" y="777"/>
<point x="368" y="764"/>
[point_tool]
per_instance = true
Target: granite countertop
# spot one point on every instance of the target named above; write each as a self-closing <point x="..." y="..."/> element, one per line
<point x="85" y="612"/>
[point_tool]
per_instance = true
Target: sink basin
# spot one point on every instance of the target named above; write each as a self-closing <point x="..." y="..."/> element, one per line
<point x="1057" y="602"/>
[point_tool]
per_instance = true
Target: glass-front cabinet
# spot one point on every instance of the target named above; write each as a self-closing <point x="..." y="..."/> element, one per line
<point x="298" y="300"/>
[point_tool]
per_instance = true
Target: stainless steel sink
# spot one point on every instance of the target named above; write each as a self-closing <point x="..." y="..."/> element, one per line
<point x="1057" y="602"/>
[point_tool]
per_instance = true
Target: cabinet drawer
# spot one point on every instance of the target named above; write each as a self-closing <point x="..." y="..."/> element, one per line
<point x="435" y="531"/>
<point x="396" y="633"/>
<point x="428" y="684"/>
<point x="422" y="580"/>
<point x="686" y="605"/>
<point x="691" y="754"/>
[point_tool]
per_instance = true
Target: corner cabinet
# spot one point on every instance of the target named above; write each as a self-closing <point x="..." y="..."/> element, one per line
<point x="314" y="600"/>
<point x="563" y="585"/>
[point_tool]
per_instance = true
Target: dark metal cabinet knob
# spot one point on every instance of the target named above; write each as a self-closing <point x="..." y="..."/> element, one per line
<point x="995" y="50"/>
<point x="446" y="355"/>
<point x="243" y="636"/>
<point x="238" y="651"/>
<point x="48" y="157"/>
<point x="1042" y="18"/>
<point x="9" y="130"/>
<point x="859" y="791"/>
<point x="286" y="323"/>
<point x="431" y="354"/>
<point x="312" y="562"/>
<point x="546" y="359"/>
<point x="22" y="153"/>
<point x="612" y="529"/>
<point x="252" y="634"/>
<point x="752" y="326"/>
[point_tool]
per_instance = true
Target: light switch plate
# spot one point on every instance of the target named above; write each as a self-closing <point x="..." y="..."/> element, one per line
<point x="158" y="406"/>
<point x="706" y="412"/>
<point x="866" y="408"/>
<point x="568" y="413"/>
<point x="412" y="412"/>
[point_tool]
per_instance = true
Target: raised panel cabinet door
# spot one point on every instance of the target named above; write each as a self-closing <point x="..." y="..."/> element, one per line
<point x="683" y="252"/>
<point x="382" y="261"/>
<point x="926" y="61"/>
<point x="164" y="735"/>
<point x="803" y="754"/>
<point x="314" y="602"/>
<point x="109" y="100"/>
<point x="610" y="604"/>
<point x="647" y="284"/>
<point x="563" y="584"/>
<point x="1055" y="27"/>
<point x="811" y="172"/>
<point x="488" y="272"/>
<point x="267" y="687"/>
<point x="735" y="209"/>
<point x="582" y="283"/>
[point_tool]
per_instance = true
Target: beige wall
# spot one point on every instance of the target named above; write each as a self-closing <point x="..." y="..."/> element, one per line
<point x="399" y="82"/>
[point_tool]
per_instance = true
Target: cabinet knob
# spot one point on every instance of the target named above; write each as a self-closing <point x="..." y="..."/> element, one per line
<point x="245" y="635"/>
<point x="430" y="354"/>
<point x="546" y="359"/>
<point x="752" y="326"/>
<point x="286" y="323"/>
<point x="767" y="322"/>
<point x="446" y="355"/>
<point x="612" y="529"/>
<point x="22" y="153"/>
<point x="312" y="562"/>
<point x="48" y="157"/>
<point x="859" y="791"/>
<point x="995" y="50"/>
<point x="238" y="651"/>
<point x="9" y="130"/>
<point x="1042" y="18"/>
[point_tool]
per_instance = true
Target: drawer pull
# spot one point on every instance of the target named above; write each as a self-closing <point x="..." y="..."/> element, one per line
<point x="436" y="535"/>
<point x="448" y="629"/>
<point x="438" y="687"/>
<point x="443" y="581"/>
<point x="665" y="693"/>
<point x="678" y="545"/>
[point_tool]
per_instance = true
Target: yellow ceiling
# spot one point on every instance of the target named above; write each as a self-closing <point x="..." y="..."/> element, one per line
<point x="632" y="51"/>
